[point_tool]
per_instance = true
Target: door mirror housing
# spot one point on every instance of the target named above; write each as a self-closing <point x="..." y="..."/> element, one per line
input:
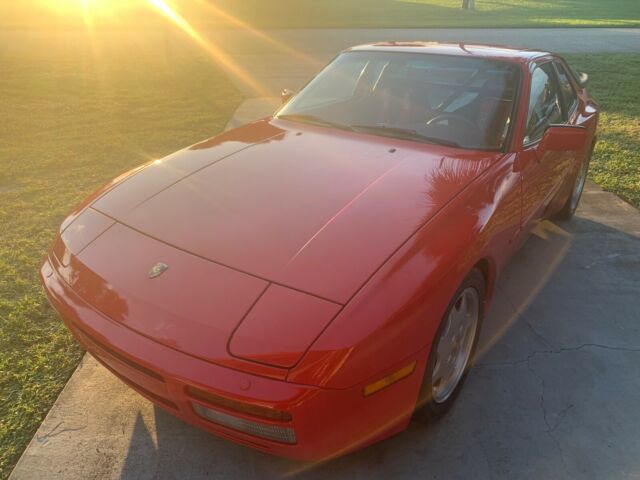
<point x="583" y="79"/>
<point x="563" y="138"/>
<point x="286" y="95"/>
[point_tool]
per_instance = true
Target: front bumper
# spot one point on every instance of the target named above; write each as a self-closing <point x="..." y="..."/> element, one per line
<point x="326" y="422"/>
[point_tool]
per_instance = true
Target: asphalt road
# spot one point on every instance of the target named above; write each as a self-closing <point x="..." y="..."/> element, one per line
<point x="585" y="40"/>
<point x="288" y="58"/>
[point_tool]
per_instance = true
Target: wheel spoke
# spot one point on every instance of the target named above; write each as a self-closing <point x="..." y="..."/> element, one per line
<point x="463" y="303"/>
<point x="456" y="318"/>
<point x="437" y="369"/>
<point x="444" y="372"/>
<point x="444" y="347"/>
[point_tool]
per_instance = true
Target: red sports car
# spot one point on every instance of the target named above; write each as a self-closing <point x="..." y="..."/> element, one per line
<point x="307" y="283"/>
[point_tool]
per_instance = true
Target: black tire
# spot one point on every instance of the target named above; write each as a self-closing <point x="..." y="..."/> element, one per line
<point x="427" y="409"/>
<point x="569" y="208"/>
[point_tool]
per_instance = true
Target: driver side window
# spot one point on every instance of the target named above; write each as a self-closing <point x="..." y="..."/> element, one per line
<point x="544" y="103"/>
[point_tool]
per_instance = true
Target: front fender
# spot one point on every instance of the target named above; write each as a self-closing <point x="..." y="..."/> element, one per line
<point x="398" y="311"/>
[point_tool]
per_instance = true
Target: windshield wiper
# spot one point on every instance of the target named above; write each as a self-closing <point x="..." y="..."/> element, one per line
<point x="406" y="133"/>
<point x="312" y="119"/>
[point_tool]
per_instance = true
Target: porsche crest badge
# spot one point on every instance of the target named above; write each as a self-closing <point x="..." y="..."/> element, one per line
<point x="158" y="269"/>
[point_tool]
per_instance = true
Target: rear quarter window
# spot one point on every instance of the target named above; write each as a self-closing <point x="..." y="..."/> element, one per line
<point x="569" y="96"/>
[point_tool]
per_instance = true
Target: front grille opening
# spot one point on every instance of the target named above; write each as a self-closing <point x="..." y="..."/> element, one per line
<point x="102" y="349"/>
<point x="154" y="397"/>
<point x="119" y="356"/>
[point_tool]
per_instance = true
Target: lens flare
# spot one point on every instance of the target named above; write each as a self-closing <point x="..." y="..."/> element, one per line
<point x="215" y="10"/>
<point x="86" y="14"/>
<point x="217" y="54"/>
<point x="87" y="8"/>
<point x="556" y="242"/>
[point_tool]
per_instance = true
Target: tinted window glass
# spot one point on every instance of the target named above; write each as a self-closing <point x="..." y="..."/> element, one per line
<point x="566" y="89"/>
<point x="544" y="103"/>
<point x="460" y="101"/>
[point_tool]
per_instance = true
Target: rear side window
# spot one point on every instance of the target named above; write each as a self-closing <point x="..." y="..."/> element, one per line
<point x="544" y="103"/>
<point x="569" y="96"/>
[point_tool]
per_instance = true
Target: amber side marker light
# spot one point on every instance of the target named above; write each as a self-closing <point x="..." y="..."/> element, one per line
<point x="389" y="379"/>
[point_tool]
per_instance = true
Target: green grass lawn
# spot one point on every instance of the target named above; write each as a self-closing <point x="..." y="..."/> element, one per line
<point x="356" y="13"/>
<point x="435" y="13"/>
<point x="615" y="83"/>
<point x="71" y="120"/>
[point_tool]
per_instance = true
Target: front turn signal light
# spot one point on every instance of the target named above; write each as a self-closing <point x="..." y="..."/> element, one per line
<point x="389" y="379"/>
<point x="245" y="408"/>
<point x="275" y="433"/>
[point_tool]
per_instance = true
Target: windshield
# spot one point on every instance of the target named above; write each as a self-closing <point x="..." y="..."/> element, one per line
<point x="459" y="101"/>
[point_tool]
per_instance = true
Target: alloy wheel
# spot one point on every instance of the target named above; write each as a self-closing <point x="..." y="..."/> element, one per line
<point x="455" y="344"/>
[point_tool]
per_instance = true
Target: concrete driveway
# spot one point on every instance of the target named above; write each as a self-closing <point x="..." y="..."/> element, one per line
<point x="555" y="393"/>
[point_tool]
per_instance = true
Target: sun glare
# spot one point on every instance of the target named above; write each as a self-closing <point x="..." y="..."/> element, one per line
<point x="136" y="13"/>
<point x="96" y="7"/>
<point x="231" y="20"/>
<point x="216" y="53"/>
<point x="91" y="12"/>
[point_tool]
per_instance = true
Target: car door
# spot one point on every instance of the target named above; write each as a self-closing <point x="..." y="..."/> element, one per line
<point x="542" y="171"/>
<point x="568" y="162"/>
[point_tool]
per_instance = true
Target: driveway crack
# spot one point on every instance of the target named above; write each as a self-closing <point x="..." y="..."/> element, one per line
<point x="526" y="362"/>
<point x="556" y="352"/>
<point x="54" y="432"/>
<point x="549" y="430"/>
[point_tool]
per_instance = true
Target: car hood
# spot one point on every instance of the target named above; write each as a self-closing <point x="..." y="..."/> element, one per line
<point x="314" y="209"/>
<point x="266" y="231"/>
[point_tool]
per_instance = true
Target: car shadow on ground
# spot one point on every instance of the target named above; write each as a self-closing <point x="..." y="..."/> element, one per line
<point x="553" y="394"/>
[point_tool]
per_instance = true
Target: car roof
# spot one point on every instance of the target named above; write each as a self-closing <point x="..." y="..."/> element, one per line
<point x="521" y="55"/>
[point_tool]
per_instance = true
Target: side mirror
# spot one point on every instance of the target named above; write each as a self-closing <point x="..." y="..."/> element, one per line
<point x="286" y="95"/>
<point x="583" y="79"/>
<point x="563" y="138"/>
